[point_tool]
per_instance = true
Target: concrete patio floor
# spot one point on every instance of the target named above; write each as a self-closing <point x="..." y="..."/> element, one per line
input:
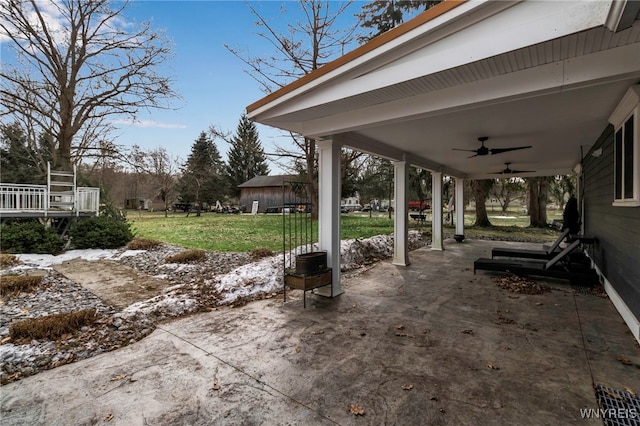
<point x="429" y="344"/>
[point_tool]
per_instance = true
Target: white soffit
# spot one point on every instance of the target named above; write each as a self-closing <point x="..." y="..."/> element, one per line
<point x="483" y="32"/>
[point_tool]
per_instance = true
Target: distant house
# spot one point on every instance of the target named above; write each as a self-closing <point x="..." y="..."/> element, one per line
<point x="267" y="190"/>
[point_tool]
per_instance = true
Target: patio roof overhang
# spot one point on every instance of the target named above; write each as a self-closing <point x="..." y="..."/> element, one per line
<point x="539" y="73"/>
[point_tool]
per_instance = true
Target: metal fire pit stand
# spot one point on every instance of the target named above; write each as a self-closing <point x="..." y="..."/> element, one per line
<point x="297" y="239"/>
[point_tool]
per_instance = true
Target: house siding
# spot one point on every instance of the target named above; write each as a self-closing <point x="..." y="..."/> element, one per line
<point x="617" y="229"/>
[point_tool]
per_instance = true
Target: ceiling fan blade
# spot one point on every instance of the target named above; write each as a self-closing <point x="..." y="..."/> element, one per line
<point x="501" y="150"/>
<point x="511" y="172"/>
<point x="473" y="156"/>
<point x="467" y="150"/>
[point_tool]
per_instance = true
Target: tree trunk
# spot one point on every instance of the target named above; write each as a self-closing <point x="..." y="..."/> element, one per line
<point x="480" y="191"/>
<point x="538" y="191"/>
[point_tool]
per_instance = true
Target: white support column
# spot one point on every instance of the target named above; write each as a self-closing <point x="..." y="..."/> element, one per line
<point x="436" y="209"/>
<point x="459" y="206"/>
<point x="329" y="189"/>
<point x="400" y="223"/>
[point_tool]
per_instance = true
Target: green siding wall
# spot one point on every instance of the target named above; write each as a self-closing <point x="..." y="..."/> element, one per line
<point x="617" y="251"/>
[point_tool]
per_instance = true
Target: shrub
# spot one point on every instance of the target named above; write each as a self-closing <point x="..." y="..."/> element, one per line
<point x="8" y="260"/>
<point x="51" y="326"/>
<point x="100" y="232"/>
<point x="260" y="252"/>
<point x="143" y="244"/>
<point x="14" y="284"/>
<point x="29" y="237"/>
<point x="187" y="256"/>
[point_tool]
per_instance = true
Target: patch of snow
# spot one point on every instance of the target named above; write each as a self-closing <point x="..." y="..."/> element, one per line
<point x="248" y="280"/>
<point x="45" y="261"/>
<point x="131" y="253"/>
<point x="169" y="305"/>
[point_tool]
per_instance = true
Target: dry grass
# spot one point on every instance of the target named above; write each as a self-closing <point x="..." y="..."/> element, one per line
<point x="187" y="256"/>
<point x="11" y="285"/>
<point x="143" y="244"/>
<point x="51" y="326"/>
<point x="260" y="252"/>
<point x="8" y="260"/>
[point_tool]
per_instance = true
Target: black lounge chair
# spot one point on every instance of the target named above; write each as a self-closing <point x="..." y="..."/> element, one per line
<point x="548" y="254"/>
<point x="559" y="266"/>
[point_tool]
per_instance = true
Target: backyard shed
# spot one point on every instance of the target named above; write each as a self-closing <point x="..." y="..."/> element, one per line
<point x="267" y="190"/>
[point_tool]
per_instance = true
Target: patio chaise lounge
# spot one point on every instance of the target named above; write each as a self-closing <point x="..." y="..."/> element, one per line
<point x="560" y="266"/>
<point x="547" y="254"/>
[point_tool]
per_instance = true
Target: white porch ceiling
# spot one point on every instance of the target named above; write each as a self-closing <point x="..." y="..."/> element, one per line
<point x="555" y="95"/>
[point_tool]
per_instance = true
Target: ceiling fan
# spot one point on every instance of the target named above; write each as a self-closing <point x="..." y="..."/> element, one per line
<point x="509" y="171"/>
<point x="483" y="150"/>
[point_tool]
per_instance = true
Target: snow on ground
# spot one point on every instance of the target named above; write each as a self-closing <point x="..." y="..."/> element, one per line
<point x="46" y="261"/>
<point x="253" y="279"/>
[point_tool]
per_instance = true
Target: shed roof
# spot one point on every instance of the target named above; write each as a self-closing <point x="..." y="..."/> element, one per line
<point x="265" y="181"/>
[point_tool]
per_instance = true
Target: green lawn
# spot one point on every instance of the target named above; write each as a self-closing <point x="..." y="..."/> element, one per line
<point x="218" y="232"/>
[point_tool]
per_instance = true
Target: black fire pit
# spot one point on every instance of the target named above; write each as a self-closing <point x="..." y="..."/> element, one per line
<point x="311" y="263"/>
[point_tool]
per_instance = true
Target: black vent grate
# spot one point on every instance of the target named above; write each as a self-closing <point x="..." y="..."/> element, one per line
<point x="619" y="408"/>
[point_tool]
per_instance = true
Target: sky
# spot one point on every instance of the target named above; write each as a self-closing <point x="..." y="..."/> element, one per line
<point x="214" y="86"/>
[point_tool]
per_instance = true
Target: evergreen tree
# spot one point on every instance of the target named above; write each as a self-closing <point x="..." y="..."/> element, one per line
<point x="202" y="178"/>
<point x="381" y="16"/>
<point x="19" y="162"/>
<point x="246" y="156"/>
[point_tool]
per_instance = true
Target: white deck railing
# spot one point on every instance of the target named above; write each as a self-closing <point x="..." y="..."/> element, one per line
<point x="20" y="198"/>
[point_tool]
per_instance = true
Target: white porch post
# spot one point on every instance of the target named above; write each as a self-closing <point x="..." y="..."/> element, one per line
<point x="459" y="206"/>
<point x="329" y="210"/>
<point x="400" y="224"/>
<point x="436" y="209"/>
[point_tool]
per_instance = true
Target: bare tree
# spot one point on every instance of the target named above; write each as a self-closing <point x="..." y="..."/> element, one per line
<point x="78" y="65"/>
<point x="507" y="191"/>
<point x="303" y="47"/>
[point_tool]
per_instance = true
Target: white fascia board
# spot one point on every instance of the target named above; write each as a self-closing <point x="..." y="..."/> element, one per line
<point x="482" y="34"/>
<point x="392" y="46"/>
<point x="596" y="68"/>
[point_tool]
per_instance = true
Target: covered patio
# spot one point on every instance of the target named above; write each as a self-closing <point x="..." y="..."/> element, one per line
<point x="407" y="345"/>
<point x="471" y="75"/>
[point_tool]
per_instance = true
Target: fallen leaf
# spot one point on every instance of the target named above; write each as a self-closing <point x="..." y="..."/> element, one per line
<point x="356" y="410"/>
<point x="493" y="367"/>
<point x="298" y="350"/>
<point x="630" y="391"/>
<point x="318" y="332"/>
<point x="407" y="387"/>
<point x="426" y="331"/>
<point x="118" y="377"/>
<point x="215" y="386"/>
<point x="108" y="418"/>
<point x="624" y="360"/>
<point x="611" y="394"/>
<point x="539" y="303"/>
<point x="467" y="331"/>
<point x="399" y="327"/>
<point x="5" y="340"/>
